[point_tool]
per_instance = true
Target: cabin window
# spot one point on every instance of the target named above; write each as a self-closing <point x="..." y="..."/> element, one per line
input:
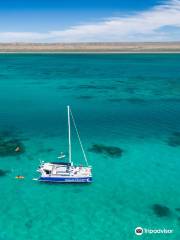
<point x="47" y="171"/>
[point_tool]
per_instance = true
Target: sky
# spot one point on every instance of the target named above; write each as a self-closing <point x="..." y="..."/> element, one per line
<point x="50" y="21"/>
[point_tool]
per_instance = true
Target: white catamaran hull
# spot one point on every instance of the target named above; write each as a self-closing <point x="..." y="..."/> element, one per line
<point x="66" y="180"/>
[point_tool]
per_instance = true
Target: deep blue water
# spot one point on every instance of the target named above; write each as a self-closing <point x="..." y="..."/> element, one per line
<point x="129" y="101"/>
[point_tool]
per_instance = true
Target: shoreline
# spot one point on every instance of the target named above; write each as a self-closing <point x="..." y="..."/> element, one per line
<point x="91" y="48"/>
<point x="73" y="52"/>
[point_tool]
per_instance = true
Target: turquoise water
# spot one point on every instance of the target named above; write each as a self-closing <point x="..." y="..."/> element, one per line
<point x="129" y="101"/>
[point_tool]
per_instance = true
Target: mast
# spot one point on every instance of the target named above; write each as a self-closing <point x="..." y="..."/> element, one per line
<point x="69" y="134"/>
<point x="84" y="154"/>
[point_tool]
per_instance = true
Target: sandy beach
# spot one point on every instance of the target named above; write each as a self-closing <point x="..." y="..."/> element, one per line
<point x="149" y="47"/>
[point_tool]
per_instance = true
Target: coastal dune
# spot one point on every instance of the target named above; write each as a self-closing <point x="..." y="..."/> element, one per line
<point x="114" y="47"/>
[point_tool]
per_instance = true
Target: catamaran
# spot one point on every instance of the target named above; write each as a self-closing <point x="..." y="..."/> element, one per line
<point x="66" y="171"/>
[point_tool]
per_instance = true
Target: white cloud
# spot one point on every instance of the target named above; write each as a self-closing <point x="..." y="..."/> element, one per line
<point x="150" y="25"/>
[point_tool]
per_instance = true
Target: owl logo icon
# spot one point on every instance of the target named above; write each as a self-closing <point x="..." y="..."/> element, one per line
<point x="138" y="231"/>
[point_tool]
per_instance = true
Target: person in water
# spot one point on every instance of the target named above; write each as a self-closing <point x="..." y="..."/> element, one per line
<point x="17" y="149"/>
<point x="19" y="177"/>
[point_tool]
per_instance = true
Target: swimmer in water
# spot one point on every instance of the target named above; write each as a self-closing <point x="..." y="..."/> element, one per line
<point x="19" y="177"/>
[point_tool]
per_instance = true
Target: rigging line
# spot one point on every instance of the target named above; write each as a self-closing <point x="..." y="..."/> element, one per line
<point x="79" y="138"/>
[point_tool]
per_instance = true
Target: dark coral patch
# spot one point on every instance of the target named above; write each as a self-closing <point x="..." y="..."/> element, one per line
<point x="174" y="140"/>
<point x="130" y="90"/>
<point x="177" y="134"/>
<point x="161" y="210"/>
<point x="109" y="151"/>
<point x="116" y="99"/>
<point x="64" y="88"/>
<point x="88" y="86"/>
<point x="84" y="97"/>
<point x="130" y="100"/>
<point x="177" y="209"/>
<point x="3" y="172"/>
<point x="136" y="100"/>
<point x="50" y="150"/>
<point x="6" y="133"/>
<point x="29" y="224"/>
<point x="11" y="147"/>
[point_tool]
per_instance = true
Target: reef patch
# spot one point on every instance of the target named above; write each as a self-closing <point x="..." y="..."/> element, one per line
<point x="84" y="97"/>
<point x="48" y="150"/>
<point x="29" y="224"/>
<point x="161" y="210"/>
<point x="10" y="147"/>
<point x="174" y="140"/>
<point x="116" y="99"/>
<point x="3" y="172"/>
<point x="136" y="100"/>
<point x="88" y="86"/>
<point x="109" y="151"/>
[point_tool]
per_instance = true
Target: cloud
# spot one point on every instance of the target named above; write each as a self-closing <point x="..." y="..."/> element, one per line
<point x="151" y="25"/>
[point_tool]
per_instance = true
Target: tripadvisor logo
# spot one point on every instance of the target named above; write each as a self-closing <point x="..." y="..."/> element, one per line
<point x="139" y="231"/>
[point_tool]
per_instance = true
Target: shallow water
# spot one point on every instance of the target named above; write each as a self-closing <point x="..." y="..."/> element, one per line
<point x="129" y="101"/>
